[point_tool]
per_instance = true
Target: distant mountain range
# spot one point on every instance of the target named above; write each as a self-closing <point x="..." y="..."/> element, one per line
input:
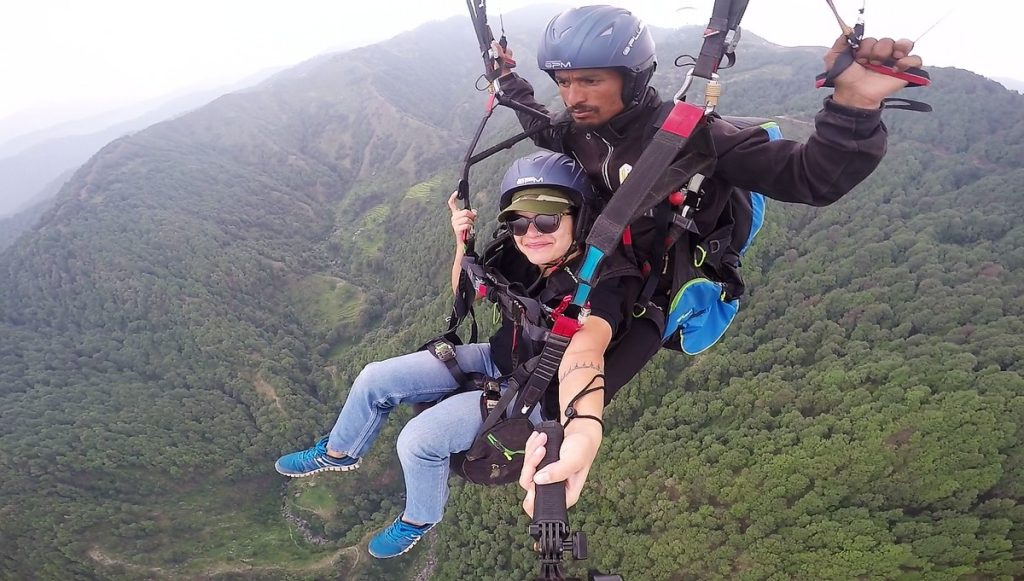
<point x="30" y="161"/>
<point x="1012" y="84"/>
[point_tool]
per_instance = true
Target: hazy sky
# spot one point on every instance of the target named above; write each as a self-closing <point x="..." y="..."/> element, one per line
<point x="68" y="53"/>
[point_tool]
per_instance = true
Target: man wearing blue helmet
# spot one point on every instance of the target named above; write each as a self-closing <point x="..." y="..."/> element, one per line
<point x="547" y="204"/>
<point x="602" y="59"/>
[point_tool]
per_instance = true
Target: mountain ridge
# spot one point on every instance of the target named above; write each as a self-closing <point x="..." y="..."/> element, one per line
<point x="29" y="162"/>
<point x="203" y="291"/>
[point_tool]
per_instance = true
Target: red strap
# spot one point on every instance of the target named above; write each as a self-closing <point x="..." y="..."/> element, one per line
<point x="564" y="326"/>
<point x="627" y="236"/>
<point x="683" y="118"/>
<point x="912" y="76"/>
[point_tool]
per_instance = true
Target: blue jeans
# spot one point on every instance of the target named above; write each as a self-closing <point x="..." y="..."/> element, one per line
<point x="428" y="439"/>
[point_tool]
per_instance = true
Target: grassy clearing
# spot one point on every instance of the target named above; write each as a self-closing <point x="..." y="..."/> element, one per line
<point x="318" y="500"/>
<point x="213" y="528"/>
<point x="326" y="301"/>
<point x="423" y="190"/>
<point x="370" y="235"/>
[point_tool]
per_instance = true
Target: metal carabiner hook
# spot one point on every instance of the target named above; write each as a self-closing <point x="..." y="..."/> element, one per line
<point x="680" y="95"/>
<point x="733" y="40"/>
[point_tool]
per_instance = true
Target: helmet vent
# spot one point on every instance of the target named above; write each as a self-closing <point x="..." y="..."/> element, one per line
<point x="607" y="32"/>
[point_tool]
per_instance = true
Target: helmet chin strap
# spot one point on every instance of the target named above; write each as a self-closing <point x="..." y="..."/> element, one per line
<point x="572" y="251"/>
<point x="547" y="268"/>
<point x="634" y="86"/>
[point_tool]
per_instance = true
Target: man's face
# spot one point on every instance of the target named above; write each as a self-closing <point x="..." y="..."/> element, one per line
<point x="593" y="96"/>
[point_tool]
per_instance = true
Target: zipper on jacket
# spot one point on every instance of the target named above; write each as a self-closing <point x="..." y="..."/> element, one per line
<point x="604" y="166"/>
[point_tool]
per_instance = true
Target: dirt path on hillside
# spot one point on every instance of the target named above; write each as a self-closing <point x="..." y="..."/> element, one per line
<point x="266" y="390"/>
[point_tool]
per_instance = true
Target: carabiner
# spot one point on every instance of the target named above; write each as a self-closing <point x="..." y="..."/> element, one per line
<point x="712" y="92"/>
<point x="680" y="95"/>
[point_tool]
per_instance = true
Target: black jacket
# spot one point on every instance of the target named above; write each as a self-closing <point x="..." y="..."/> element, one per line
<point x="611" y="299"/>
<point x="846" y="146"/>
<point x="844" y="149"/>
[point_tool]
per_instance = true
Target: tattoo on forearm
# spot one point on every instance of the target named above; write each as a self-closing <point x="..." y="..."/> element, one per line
<point x="577" y="366"/>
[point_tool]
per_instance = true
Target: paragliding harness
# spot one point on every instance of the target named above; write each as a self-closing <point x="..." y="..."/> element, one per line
<point x="496" y="454"/>
<point x="692" y="254"/>
<point x="700" y="275"/>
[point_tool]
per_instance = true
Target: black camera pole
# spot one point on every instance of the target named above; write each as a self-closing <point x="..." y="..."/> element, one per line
<point x="550" y="527"/>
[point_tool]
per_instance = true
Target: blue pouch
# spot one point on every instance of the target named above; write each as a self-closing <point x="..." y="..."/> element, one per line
<point x="698" y="317"/>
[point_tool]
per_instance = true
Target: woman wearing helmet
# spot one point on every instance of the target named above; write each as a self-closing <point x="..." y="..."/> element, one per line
<point x="546" y="205"/>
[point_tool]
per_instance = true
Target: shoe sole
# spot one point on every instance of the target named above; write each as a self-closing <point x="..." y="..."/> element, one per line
<point x="319" y="470"/>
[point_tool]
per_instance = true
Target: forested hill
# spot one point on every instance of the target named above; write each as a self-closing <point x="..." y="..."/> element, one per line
<point x="201" y="294"/>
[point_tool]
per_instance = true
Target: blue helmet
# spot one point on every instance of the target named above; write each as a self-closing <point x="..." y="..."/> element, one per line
<point x="600" y="37"/>
<point x="547" y="169"/>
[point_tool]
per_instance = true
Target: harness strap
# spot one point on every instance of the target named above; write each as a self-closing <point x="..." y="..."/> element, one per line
<point x="627" y="245"/>
<point x="725" y="16"/>
<point x="569" y="320"/>
<point x="546" y="366"/>
<point x="526" y="312"/>
<point x="462" y="307"/>
<point x="662" y="220"/>
<point x="444" y="351"/>
<point x="514" y="383"/>
<point x="685" y="125"/>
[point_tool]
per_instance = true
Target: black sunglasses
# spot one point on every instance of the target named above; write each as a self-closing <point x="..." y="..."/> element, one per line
<point x="545" y="223"/>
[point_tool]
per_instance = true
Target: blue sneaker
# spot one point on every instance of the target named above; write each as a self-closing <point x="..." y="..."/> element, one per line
<point x="314" y="460"/>
<point x="397" y="539"/>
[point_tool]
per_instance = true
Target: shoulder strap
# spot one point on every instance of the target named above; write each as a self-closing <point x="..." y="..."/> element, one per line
<point x="659" y="118"/>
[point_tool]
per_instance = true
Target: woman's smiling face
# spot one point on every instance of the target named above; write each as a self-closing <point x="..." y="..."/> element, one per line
<point x="540" y="248"/>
